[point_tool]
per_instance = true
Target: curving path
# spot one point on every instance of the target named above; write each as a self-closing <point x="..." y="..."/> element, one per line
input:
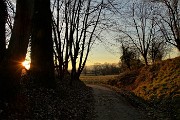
<point x="111" y="106"/>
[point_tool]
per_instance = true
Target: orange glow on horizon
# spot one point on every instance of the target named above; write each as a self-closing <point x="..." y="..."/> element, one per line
<point x="26" y="64"/>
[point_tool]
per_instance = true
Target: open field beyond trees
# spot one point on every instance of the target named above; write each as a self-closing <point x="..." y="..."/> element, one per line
<point x="99" y="79"/>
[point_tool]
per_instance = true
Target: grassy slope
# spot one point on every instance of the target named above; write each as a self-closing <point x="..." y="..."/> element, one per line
<point x="162" y="80"/>
<point x="158" y="84"/>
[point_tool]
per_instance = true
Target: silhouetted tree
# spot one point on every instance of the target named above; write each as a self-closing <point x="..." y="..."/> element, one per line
<point x="157" y="50"/>
<point x="74" y="30"/>
<point x="10" y="66"/>
<point x="141" y="27"/>
<point x="169" y="20"/>
<point x="42" y="64"/>
<point x="3" y="14"/>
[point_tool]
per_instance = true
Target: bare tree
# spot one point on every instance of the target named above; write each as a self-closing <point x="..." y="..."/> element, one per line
<point x="74" y="31"/>
<point x="140" y="27"/>
<point x="158" y="49"/>
<point x="85" y="31"/>
<point x="169" y="21"/>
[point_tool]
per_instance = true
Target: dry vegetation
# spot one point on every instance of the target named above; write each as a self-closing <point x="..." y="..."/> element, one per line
<point x="99" y="79"/>
<point x="157" y="84"/>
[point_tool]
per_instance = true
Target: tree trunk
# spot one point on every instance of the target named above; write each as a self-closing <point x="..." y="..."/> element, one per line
<point x="145" y="59"/>
<point x="42" y="65"/>
<point x="3" y="15"/>
<point x="178" y="43"/>
<point x="10" y="67"/>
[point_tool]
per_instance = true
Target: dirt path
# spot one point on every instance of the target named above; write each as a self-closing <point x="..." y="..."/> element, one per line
<point x="111" y="106"/>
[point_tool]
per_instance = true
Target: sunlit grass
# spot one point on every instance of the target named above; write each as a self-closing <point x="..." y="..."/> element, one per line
<point x="157" y="84"/>
<point x="100" y="79"/>
<point x="165" y="82"/>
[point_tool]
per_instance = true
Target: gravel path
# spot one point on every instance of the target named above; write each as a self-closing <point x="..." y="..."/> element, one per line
<point x="111" y="106"/>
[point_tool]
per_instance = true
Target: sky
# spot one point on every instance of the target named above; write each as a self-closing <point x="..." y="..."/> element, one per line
<point x="102" y="54"/>
<point x="108" y="50"/>
<point x="111" y="53"/>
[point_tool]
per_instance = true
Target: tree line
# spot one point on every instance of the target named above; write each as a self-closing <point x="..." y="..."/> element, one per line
<point x="102" y="69"/>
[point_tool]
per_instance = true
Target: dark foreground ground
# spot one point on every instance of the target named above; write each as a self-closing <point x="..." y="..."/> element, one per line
<point x="76" y="102"/>
<point x="62" y="103"/>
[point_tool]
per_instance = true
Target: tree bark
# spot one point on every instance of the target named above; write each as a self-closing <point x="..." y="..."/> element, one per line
<point x="178" y="43"/>
<point x="42" y="65"/>
<point x="3" y="16"/>
<point x="145" y="59"/>
<point x="10" y="67"/>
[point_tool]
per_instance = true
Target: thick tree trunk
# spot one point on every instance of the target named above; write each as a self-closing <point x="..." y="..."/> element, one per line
<point x="10" y="67"/>
<point x="145" y="60"/>
<point x="3" y="15"/>
<point x="42" y="65"/>
<point x="178" y="43"/>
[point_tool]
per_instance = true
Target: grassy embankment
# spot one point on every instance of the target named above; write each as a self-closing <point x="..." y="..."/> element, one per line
<point x="158" y="85"/>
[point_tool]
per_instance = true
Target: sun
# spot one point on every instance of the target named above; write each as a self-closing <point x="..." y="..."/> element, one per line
<point x="26" y="64"/>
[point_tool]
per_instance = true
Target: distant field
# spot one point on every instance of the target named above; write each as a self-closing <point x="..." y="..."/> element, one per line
<point x="99" y="79"/>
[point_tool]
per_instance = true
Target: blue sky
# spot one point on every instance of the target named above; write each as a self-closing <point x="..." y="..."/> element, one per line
<point x="108" y="50"/>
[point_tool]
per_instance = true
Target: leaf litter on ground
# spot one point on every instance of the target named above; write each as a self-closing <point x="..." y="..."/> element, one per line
<point x="65" y="102"/>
